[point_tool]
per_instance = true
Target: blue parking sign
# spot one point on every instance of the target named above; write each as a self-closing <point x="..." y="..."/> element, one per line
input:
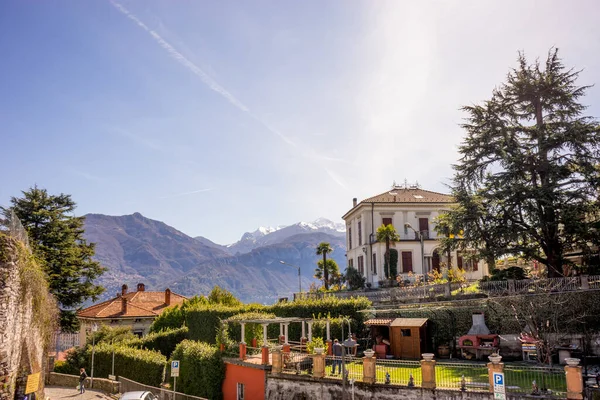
<point x="499" y="388"/>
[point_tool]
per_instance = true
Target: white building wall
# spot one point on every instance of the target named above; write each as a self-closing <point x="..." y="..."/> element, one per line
<point x="400" y="216"/>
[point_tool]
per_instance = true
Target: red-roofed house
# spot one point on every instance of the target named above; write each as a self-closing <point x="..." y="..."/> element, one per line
<point x="401" y="205"/>
<point x="134" y="309"/>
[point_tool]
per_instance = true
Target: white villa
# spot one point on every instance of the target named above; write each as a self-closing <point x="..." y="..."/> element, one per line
<point x="402" y="205"/>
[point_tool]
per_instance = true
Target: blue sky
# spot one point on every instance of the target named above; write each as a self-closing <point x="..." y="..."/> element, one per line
<point x="218" y="117"/>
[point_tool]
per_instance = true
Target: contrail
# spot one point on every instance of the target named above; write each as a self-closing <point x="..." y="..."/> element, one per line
<point x="185" y="193"/>
<point x="210" y="82"/>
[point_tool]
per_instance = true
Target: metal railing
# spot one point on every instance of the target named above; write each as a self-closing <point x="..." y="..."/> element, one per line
<point x="526" y="379"/>
<point x="297" y="363"/>
<point x="398" y="372"/>
<point x="462" y="376"/>
<point x="594" y="281"/>
<point x="127" y="385"/>
<point x="352" y="365"/>
<point x="497" y="287"/>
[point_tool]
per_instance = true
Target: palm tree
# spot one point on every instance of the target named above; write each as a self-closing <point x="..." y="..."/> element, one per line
<point x="387" y="234"/>
<point x="323" y="249"/>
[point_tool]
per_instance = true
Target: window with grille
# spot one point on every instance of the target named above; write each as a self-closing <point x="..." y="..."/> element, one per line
<point x="240" y="391"/>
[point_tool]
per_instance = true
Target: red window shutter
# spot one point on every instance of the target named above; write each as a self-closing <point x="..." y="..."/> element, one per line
<point x="407" y="265"/>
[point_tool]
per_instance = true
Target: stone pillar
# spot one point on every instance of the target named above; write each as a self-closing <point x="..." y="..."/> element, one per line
<point x="243" y="339"/>
<point x="309" y="323"/>
<point x="281" y="335"/>
<point x="254" y="342"/>
<point x="265" y="355"/>
<point x="585" y="284"/>
<point x="286" y="332"/>
<point x="491" y="369"/>
<point x="265" y="342"/>
<point x="574" y="382"/>
<point x="328" y="330"/>
<point x="242" y="351"/>
<point x="277" y="361"/>
<point x="302" y="343"/>
<point x="369" y="369"/>
<point x="303" y="331"/>
<point x="318" y="365"/>
<point x="428" y="374"/>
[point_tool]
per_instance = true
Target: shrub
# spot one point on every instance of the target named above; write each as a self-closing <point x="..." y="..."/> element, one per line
<point x="175" y="317"/>
<point x="164" y="341"/>
<point x="143" y="366"/>
<point x="109" y="334"/>
<point x="355" y="280"/>
<point x="202" y="369"/>
<point x="63" y="367"/>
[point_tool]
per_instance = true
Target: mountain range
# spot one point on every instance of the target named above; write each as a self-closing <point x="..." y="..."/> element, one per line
<point x="138" y="249"/>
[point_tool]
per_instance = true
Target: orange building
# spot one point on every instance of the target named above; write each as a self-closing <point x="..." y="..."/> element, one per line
<point x="244" y="380"/>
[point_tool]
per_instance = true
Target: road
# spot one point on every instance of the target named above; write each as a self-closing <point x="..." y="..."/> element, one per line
<point x="58" y="393"/>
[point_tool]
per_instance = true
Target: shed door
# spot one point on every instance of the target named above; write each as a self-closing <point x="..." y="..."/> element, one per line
<point x="410" y="342"/>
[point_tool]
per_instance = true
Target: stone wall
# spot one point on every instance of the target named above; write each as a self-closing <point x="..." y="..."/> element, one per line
<point x="21" y="338"/>
<point x="298" y="387"/>
<point x="65" y="380"/>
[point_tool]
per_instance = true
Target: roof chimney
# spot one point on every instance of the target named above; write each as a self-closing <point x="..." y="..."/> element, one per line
<point x="168" y="296"/>
<point x="123" y="290"/>
<point x="354" y="202"/>
<point x="141" y="287"/>
<point x="479" y="327"/>
<point x="123" y="305"/>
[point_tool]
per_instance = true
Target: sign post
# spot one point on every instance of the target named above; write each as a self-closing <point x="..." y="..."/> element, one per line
<point x="499" y="386"/>
<point x="33" y="383"/>
<point x="174" y="374"/>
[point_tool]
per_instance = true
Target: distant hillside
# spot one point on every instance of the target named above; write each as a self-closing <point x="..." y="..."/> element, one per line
<point x="138" y="249"/>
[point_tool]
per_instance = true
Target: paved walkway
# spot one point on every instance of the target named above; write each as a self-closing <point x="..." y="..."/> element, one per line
<point x="57" y="393"/>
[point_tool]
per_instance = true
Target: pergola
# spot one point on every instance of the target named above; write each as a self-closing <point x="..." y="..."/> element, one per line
<point x="284" y="324"/>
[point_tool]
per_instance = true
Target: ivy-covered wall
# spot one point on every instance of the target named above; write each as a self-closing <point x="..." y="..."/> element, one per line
<point x="27" y="317"/>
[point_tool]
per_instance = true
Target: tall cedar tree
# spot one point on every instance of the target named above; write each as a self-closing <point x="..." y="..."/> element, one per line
<point x="57" y="241"/>
<point x="529" y="165"/>
<point x="323" y="249"/>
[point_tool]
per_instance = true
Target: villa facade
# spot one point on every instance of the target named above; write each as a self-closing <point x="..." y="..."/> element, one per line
<point x="408" y="209"/>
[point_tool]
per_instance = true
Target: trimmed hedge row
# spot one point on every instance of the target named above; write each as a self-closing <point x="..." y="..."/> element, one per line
<point x="203" y="320"/>
<point x="164" y="341"/>
<point x="202" y="369"/>
<point x="143" y="366"/>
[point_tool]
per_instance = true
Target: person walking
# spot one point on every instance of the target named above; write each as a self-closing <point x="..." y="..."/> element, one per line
<point x="82" y="377"/>
<point x="337" y="353"/>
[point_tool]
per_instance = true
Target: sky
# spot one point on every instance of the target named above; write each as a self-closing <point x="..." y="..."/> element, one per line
<point x="219" y="117"/>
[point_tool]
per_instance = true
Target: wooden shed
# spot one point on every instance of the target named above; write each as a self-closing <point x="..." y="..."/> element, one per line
<point x="407" y="336"/>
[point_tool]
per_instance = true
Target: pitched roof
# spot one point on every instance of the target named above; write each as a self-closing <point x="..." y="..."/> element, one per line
<point x="139" y="304"/>
<point x="409" y="322"/>
<point x="409" y="195"/>
<point x="379" y="321"/>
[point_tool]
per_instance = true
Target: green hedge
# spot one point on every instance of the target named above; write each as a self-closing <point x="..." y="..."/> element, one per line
<point x="203" y="320"/>
<point x="143" y="366"/>
<point x="202" y="370"/>
<point x="164" y="341"/>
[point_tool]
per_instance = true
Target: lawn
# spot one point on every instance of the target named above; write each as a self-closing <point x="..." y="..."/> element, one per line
<point x="449" y="375"/>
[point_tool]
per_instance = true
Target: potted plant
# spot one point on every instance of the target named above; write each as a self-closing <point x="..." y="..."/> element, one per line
<point x="316" y="346"/>
<point x="495" y="358"/>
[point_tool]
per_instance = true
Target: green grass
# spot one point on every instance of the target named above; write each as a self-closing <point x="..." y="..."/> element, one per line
<point x="518" y="379"/>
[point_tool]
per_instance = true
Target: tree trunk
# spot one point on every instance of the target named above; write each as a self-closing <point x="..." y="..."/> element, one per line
<point x="491" y="263"/>
<point x="387" y="256"/>
<point x="554" y="266"/>
<point x="325" y="272"/>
